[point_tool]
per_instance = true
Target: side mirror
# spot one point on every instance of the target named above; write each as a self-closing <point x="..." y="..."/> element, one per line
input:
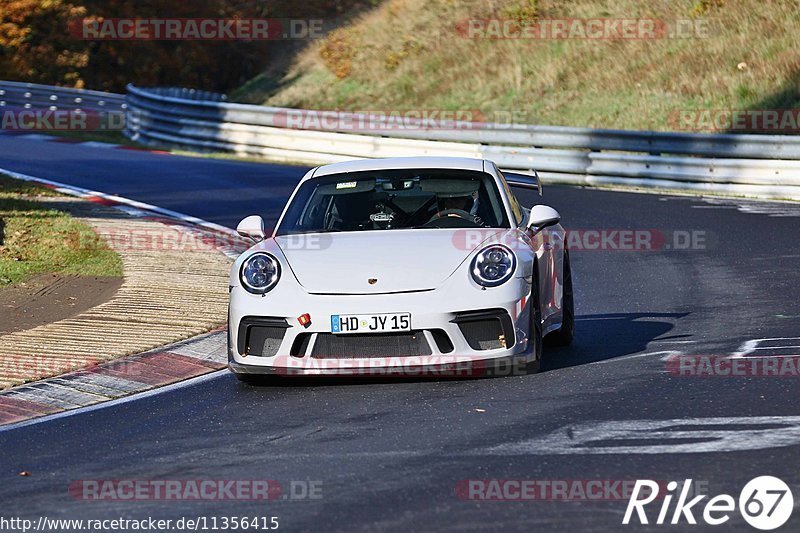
<point x="541" y="217"/>
<point x="252" y="227"/>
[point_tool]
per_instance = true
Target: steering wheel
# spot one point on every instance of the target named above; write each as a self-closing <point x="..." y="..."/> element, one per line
<point x="444" y="215"/>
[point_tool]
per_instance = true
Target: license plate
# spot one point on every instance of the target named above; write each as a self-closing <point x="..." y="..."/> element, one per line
<point x="386" y="323"/>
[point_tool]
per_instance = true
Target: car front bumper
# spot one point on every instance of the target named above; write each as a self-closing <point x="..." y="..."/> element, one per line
<point x="451" y="332"/>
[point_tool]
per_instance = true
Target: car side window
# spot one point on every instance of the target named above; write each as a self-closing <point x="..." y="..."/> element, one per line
<point x="516" y="210"/>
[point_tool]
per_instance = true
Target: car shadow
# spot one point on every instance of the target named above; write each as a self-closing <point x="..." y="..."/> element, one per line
<point x="607" y="336"/>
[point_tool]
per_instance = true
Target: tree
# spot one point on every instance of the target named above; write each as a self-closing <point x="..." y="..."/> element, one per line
<point x="35" y="44"/>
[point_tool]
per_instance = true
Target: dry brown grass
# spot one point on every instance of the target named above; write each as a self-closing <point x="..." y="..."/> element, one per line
<point x="408" y="54"/>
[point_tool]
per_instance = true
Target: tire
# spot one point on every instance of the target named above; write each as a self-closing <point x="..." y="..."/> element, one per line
<point x="535" y="332"/>
<point x="563" y="335"/>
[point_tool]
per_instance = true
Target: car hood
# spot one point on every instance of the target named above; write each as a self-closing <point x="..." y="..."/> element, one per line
<point x="400" y="260"/>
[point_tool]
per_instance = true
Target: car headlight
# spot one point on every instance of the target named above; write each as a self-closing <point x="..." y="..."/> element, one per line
<point x="260" y="273"/>
<point x="493" y="266"/>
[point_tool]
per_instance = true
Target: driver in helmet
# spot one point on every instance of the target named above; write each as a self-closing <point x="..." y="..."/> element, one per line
<point x="458" y="205"/>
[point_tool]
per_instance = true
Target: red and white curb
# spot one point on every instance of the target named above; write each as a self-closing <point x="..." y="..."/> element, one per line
<point x="68" y="140"/>
<point x="115" y="379"/>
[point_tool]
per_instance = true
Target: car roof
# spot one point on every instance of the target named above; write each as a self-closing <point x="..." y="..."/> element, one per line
<point x="359" y="165"/>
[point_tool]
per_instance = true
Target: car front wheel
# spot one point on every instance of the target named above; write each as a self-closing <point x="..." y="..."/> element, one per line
<point x="563" y="335"/>
<point x="535" y="333"/>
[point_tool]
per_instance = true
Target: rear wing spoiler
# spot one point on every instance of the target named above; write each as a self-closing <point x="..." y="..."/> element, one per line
<point x="529" y="181"/>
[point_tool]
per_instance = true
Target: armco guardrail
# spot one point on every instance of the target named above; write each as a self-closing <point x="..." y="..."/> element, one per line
<point x="757" y="165"/>
<point x="34" y="96"/>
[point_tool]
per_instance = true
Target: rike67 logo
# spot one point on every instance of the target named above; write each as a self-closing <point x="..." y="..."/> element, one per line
<point x="765" y="503"/>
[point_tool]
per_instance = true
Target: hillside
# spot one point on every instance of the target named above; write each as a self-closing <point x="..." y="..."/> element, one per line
<point x="428" y="55"/>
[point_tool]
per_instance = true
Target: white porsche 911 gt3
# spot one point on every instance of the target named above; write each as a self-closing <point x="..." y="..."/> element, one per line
<point x="398" y="266"/>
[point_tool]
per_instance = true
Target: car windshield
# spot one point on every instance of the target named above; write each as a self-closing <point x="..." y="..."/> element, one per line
<point x="395" y="199"/>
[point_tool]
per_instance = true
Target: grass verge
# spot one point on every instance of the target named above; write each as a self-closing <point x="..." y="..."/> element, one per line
<point x="36" y="239"/>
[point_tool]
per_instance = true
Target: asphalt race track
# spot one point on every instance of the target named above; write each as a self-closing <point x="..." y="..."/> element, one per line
<point x="391" y="455"/>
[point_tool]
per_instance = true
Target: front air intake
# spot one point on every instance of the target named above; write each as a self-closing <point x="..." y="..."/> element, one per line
<point x="488" y="329"/>
<point x="261" y="336"/>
